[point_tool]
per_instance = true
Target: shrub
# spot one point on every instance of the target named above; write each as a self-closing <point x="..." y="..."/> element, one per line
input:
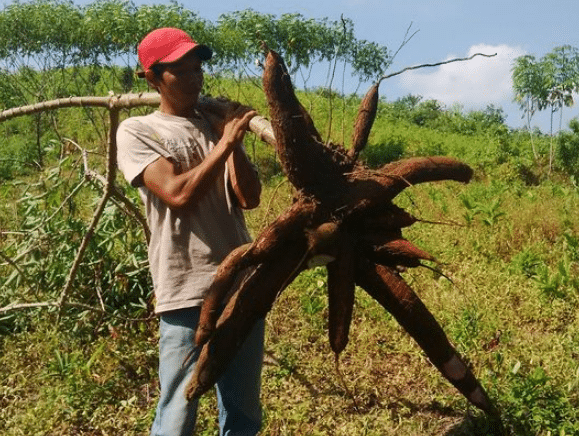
<point x="384" y="149"/>
<point x="568" y="149"/>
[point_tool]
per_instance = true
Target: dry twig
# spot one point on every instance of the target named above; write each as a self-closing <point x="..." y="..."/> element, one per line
<point x="416" y="67"/>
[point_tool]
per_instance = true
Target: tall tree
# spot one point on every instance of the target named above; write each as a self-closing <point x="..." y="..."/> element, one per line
<point x="561" y="69"/>
<point x="530" y="87"/>
<point x="562" y="66"/>
<point x="548" y="83"/>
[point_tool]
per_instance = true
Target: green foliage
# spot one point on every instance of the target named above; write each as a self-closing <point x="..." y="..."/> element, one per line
<point x="384" y="148"/>
<point x="313" y="283"/>
<point x="466" y="330"/>
<point x="554" y="279"/>
<point x="561" y="281"/>
<point x="299" y="40"/>
<point x="530" y="84"/>
<point x="546" y="83"/>
<point x="47" y="27"/>
<point x="79" y="387"/>
<point x="562" y="66"/>
<point x="527" y="262"/>
<point x="568" y="150"/>
<point x="114" y="275"/>
<point x="17" y="157"/>
<point x="513" y="266"/>
<point x="56" y="34"/>
<point x="536" y="406"/>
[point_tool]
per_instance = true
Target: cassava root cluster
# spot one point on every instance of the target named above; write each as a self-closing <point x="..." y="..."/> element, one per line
<point x="342" y="217"/>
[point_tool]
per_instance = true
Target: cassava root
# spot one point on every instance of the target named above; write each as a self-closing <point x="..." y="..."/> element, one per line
<point x="342" y="217"/>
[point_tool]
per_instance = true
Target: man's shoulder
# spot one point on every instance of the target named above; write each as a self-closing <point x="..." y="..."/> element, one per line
<point x="139" y="121"/>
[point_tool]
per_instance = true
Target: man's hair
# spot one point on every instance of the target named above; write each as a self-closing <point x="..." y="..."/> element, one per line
<point x="157" y="69"/>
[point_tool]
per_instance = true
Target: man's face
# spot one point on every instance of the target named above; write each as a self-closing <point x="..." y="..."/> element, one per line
<point x="181" y="82"/>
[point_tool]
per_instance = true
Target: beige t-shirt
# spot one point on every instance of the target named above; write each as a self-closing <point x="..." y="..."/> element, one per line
<point x="186" y="246"/>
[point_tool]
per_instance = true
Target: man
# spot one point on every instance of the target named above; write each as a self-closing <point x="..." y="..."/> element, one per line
<point x="193" y="184"/>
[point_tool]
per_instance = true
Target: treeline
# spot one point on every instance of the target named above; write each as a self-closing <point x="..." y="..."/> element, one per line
<point x="51" y="35"/>
<point x="549" y="83"/>
<point x="55" y="48"/>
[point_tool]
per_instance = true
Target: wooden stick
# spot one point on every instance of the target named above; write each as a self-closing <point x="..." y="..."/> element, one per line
<point x="258" y="125"/>
<point x="110" y="180"/>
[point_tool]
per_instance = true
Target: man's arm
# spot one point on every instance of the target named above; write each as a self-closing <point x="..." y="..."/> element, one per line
<point x="179" y="190"/>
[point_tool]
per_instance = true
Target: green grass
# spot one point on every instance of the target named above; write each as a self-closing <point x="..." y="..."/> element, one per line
<point x="508" y="244"/>
<point x="56" y="383"/>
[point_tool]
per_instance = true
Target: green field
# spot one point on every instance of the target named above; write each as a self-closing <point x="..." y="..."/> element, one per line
<point x="78" y="352"/>
<point x="508" y="243"/>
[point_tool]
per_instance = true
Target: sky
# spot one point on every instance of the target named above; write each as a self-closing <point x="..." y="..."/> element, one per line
<point x="446" y="29"/>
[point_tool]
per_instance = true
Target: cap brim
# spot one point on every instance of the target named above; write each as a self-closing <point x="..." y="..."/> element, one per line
<point x="203" y="51"/>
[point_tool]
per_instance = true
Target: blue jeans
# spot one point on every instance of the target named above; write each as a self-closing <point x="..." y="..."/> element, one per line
<point x="238" y="390"/>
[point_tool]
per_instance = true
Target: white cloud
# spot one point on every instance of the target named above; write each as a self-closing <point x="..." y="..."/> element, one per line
<point x="475" y="83"/>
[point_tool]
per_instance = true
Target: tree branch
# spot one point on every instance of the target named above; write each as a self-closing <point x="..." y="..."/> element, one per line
<point x="258" y="125"/>
<point x="111" y="173"/>
<point x="80" y="254"/>
<point x="46" y="304"/>
<point x="405" y="41"/>
<point x="416" y="67"/>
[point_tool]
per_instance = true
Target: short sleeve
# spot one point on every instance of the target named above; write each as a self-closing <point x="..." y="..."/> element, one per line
<point x="138" y="146"/>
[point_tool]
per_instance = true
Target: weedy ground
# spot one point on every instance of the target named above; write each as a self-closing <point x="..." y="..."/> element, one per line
<point x="506" y="294"/>
<point x="509" y="269"/>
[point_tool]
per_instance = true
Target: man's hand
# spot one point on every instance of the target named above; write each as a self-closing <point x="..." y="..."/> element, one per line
<point x="236" y="123"/>
<point x="219" y="111"/>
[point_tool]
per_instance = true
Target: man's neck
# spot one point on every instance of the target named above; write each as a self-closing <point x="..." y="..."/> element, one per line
<point x="170" y="108"/>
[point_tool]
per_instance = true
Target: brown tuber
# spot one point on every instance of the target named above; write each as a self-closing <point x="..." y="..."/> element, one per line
<point x="343" y="217"/>
<point x="364" y="121"/>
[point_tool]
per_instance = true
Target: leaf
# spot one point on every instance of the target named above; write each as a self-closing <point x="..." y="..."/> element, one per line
<point x="95" y="356"/>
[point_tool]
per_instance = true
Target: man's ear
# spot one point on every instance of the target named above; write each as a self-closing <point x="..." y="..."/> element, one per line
<point x="152" y="79"/>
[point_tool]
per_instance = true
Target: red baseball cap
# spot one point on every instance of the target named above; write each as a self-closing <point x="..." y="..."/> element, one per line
<point x="166" y="45"/>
